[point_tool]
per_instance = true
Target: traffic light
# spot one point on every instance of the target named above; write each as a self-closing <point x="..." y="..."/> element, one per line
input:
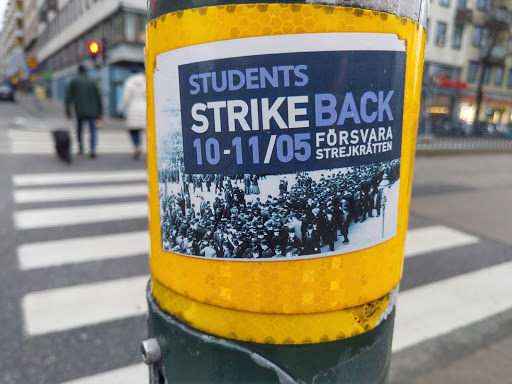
<point x="94" y="49"/>
<point x="104" y="47"/>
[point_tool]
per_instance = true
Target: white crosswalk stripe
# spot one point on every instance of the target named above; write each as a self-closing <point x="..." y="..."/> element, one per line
<point x="41" y="142"/>
<point x="423" y="313"/>
<point x="86" y="249"/>
<point x="441" y="307"/>
<point x="98" y="213"/>
<point x="28" y="180"/>
<point x="41" y="195"/>
<point x="435" y="238"/>
<point x="57" y="310"/>
<point x="80" y="250"/>
<point x="133" y="374"/>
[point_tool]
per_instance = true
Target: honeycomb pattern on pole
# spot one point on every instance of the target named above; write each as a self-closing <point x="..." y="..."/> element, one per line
<point x="290" y="286"/>
<point x="270" y="328"/>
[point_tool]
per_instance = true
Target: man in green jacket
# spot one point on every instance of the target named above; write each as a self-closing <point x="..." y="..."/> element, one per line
<point x="84" y="95"/>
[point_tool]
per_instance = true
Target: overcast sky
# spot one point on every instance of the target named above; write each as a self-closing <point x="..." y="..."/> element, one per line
<point x="3" y="3"/>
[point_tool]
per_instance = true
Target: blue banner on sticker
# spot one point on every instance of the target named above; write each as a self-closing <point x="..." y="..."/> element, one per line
<point x="283" y="113"/>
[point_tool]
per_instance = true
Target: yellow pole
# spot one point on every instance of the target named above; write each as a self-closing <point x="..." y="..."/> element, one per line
<point x="287" y="117"/>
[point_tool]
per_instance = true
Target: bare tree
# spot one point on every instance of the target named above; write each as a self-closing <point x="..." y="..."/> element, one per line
<point x="498" y="24"/>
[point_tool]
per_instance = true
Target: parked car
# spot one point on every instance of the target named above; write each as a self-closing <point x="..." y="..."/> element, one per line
<point x="6" y="92"/>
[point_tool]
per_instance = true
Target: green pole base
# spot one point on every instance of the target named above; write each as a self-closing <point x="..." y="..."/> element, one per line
<point x="192" y="356"/>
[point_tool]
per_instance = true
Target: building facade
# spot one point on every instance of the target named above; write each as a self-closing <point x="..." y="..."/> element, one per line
<point x="31" y="25"/>
<point x="466" y="44"/>
<point x="118" y="26"/>
<point x="11" y="38"/>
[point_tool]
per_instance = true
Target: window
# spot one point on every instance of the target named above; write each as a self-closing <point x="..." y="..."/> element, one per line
<point x="487" y="73"/>
<point x="461" y="4"/>
<point x="130" y="29"/>
<point x="498" y="76"/>
<point x="483" y="5"/>
<point x="509" y="79"/>
<point x="444" y="3"/>
<point x="427" y="29"/>
<point x="441" y="34"/>
<point x="457" y="37"/>
<point x="472" y="69"/>
<point x="485" y="35"/>
<point x="477" y="36"/>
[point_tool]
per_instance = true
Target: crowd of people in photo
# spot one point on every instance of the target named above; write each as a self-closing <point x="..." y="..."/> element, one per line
<point x="306" y="217"/>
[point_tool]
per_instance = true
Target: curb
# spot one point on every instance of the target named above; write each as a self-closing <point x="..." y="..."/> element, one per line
<point x="435" y="146"/>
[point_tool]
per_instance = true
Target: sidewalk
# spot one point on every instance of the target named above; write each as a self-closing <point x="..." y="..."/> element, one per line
<point x="50" y="115"/>
<point x="426" y="145"/>
<point x="486" y="365"/>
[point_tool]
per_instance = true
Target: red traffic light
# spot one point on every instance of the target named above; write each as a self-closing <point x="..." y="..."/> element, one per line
<point x="94" y="47"/>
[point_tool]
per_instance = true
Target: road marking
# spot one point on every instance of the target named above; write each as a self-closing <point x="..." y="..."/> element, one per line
<point x="133" y="374"/>
<point x="78" y="177"/>
<point x="42" y="136"/>
<point x="49" y="149"/>
<point x="41" y="142"/>
<point x="432" y="310"/>
<point x="62" y="309"/>
<point x="40" y="195"/>
<point x="55" y="217"/>
<point x="435" y="238"/>
<point x="80" y="250"/>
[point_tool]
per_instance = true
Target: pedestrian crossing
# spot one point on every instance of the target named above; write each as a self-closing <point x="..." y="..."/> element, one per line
<point x="40" y="142"/>
<point x="57" y="310"/>
<point x="137" y="373"/>
<point x="29" y="180"/>
<point x="436" y="309"/>
<point x="48" y="254"/>
<point x="423" y="313"/>
<point x="99" y="213"/>
<point x="435" y="238"/>
<point x="41" y="195"/>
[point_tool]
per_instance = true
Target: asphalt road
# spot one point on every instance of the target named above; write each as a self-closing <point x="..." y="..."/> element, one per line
<point x="461" y="203"/>
<point x="470" y="193"/>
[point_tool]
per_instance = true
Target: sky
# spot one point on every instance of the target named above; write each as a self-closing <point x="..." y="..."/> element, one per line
<point x="3" y="3"/>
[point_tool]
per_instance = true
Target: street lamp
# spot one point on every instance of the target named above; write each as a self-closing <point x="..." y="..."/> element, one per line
<point x="384" y="201"/>
<point x="383" y="184"/>
<point x="385" y="181"/>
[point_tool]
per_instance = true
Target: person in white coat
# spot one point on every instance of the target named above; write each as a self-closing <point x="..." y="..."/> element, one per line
<point x="134" y="101"/>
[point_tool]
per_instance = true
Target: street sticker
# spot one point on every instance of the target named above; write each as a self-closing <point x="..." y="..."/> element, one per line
<point x="271" y="148"/>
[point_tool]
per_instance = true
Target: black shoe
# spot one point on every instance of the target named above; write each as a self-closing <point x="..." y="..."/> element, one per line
<point x="92" y="155"/>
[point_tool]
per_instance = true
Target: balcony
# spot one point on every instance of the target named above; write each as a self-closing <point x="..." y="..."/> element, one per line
<point x="464" y="16"/>
<point x="51" y="5"/>
<point x="496" y="55"/>
<point x="497" y="18"/>
<point x="43" y="16"/>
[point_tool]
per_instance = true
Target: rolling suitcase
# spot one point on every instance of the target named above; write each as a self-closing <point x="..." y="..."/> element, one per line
<point x="62" y="141"/>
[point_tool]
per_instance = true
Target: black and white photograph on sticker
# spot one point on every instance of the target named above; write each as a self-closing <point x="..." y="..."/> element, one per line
<point x="253" y="217"/>
<point x="269" y="170"/>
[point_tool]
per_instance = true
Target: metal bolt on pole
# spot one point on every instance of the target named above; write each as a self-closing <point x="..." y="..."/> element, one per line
<point x="152" y="356"/>
<point x="272" y="131"/>
<point x="151" y="353"/>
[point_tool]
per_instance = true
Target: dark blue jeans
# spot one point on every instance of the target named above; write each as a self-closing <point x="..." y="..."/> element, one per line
<point x="135" y="136"/>
<point x="92" y="131"/>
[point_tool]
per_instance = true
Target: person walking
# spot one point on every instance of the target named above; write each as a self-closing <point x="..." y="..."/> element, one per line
<point x="134" y="101"/>
<point x="83" y="94"/>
